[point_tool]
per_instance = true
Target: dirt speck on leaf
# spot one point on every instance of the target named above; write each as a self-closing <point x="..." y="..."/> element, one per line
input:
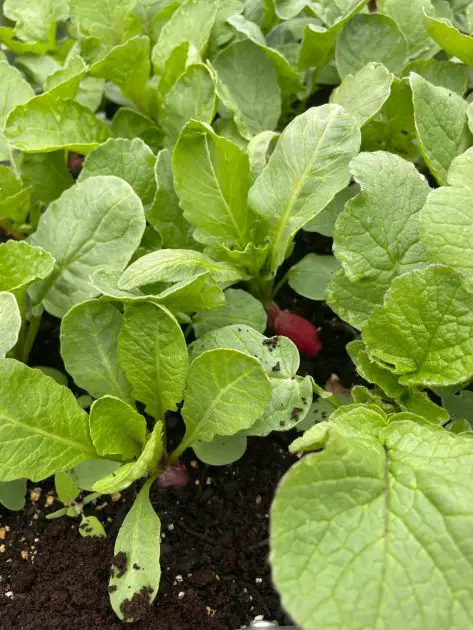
<point x="271" y="343"/>
<point x="276" y="368"/>
<point x="120" y="562"/>
<point x="138" y="605"/>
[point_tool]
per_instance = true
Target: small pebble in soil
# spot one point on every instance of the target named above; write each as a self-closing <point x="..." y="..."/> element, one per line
<point x="181" y="594"/>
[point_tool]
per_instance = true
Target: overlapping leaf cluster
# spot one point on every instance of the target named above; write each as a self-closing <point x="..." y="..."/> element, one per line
<point x="208" y="146"/>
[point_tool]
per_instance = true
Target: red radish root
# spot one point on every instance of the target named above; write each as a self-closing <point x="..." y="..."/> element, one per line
<point x="296" y="328"/>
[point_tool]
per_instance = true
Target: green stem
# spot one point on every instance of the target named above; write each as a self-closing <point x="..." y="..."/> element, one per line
<point x="323" y="393"/>
<point x="33" y="329"/>
<point x="280" y="284"/>
<point x="177" y="453"/>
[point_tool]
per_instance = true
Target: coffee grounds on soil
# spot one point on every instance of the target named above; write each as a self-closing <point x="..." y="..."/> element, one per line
<point x="214" y="551"/>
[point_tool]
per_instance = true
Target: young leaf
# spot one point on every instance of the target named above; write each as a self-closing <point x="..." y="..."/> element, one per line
<point x="42" y="428"/>
<point x="408" y="16"/>
<point x="89" y="333"/>
<point x="310" y="276"/>
<point x="364" y="93"/>
<point x="153" y="354"/>
<point x="424" y="330"/>
<point x="370" y="37"/>
<point x="64" y="82"/>
<point x="211" y="177"/>
<point x="240" y="308"/>
<point x="441" y="125"/>
<point x="357" y="485"/>
<point x="226" y="392"/>
<point x="136" y="571"/>
<point x="10" y="322"/>
<point x="21" y="264"/>
<point x="191" y="97"/>
<point x="116" y="428"/>
<point x="66" y="488"/>
<point x="307" y="168"/>
<point x="95" y="223"/>
<point x="259" y="149"/>
<point x="105" y="22"/>
<point x="372" y="371"/>
<point x="453" y="41"/>
<point x="91" y="526"/>
<point x="46" y="124"/>
<point x="89" y="472"/>
<point x="13" y="494"/>
<point x="15" y="91"/>
<point x="130" y="160"/>
<point x="221" y="451"/>
<point x="248" y="86"/>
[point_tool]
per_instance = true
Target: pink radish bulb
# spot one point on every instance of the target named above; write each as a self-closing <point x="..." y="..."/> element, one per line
<point x="296" y="328"/>
<point x="174" y="477"/>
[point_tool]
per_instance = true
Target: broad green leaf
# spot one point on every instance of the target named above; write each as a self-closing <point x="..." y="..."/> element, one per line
<point x="364" y="93"/>
<point x="424" y="330"/>
<point x="10" y="322"/>
<point x="325" y="220"/>
<point x="408" y="16"/>
<point x="46" y="174"/>
<point x="310" y="276"/>
<point x="441" y="125"/>
<point x="240" y="308"/>
<point x="89" y="333"/>
<point x="226" y="392"/>
<point x="42" y="428"/>
<point x="13" y="494"/>
<point x="138" y="543"/>
<point x="35" y="19"/>
<point x="18" y="47"/>
<point x="89" y="472"/>
<point x="131" y="160"/>
<point x="211" y="177"/>
<point x="460" y="405"/>
<point x="307" y="168"/>
<point x="153" y="353"/>
<point x="91" y="526"/>
<point x="454" y="42"/>
<point x="329" y="12"/>
<point x="373" y="243"/>
<point x="64" y="82"/>
<point x="90" y="93"/>
<point x="15" y="197"/>
<point x="15" y="91"/>
<point x="57" y="375"/>
<point x="259" y="149"/>
<point x="460" y="172"/>
<point x="358" y="486"/>
<point x="372" y="371"/>
<point x="95" y="223"/>
<point x="128" y="66"/>
<point x="116" y="428"/>
<point x="176" y="64"/>
<point x="148" y="461"/>
<point x="37" y="67"/>
<point x="130" y="124"/>
<point x="226" y="127"/>
<point x="419" y="403"/>
<point x="176" y="265"/>
<point x="248" y="86"/>
<point x="193" y="97"/>
<point x="221" y="451"/>
<point x="21" y="264"/>
<point x="165" y="214"/>
<point x="447" y="220"/>
<point x="192" y="22"/>
<point x="46" y="124"/>
<point x="105" y="21"/>
<point x="447" y="74"/>
<point x="370" y="37"/>
<point x="66" y="488"/>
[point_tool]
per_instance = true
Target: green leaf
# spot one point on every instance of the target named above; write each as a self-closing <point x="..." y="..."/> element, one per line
<point x="47" y="175"/>
<point x="447" y="74"/>
<point x="240" y="308"/>
<point x="21" y="264"/>
<point x="372" y="371"/>
<point x="460" y="405"/>
<point x="370" y="37"/>
<point x="441" y="125"/>
<point x="66" y="488"/>
<point x="221" y="451"/>
<point x="129" y="124"/>
<point x="90" y="526"/>
<point x="10" y="322"/>
<point x="105" y="21"/>
<point x="307" y="168"/>
<point x="226" y="392"/>
<point x="46" y="124"/>
<point x="42" y="428"/>
<point x="211" y="177"/>
<point x="353" y="301"/>
<point x="148" y="461"/>
<point x="90" y="93"/>
<point x="259" y="149"/>
<point x="12" y="494"/>
<point x="364" y="93"/>
<point x="89" y="333"/>
<point x="193" y="97"/>
<point x="15" y="91"/>
<point x="130" y="160"/>
<point x="325" y="220"/>
<point x="357" y="485"/>
<point x="454" y="42"/>
<point x="329" y="12"/>
<point x="176" y="265"/>
<point x="89" y="472"/>
<point x="35" y="19"/>
<point x="424" y="330"/>
<point x="310" y="276"/>
<point x="419" y="403"/>
<point x="138" y="543"/>
<point x="192" y="22"/>
<point x="95" y="223"/>
<point x="153" y="354"/>
<point x="408" y="16"/>
<point x="460" y="172"/>
<point x="165" y="214"/>
<point x="116" y="428"/>
<point x="15" y="198"/>
<point x="248" y="86"/>
<point x="64" y="82"/>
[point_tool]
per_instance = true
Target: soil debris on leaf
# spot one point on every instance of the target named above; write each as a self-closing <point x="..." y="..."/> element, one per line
<point x="295" y="413"/>
<point x="120" y="561"/>
<point x="276" y="368"/>
<point x="272" y="343"/>
<point x="138" y="605"/>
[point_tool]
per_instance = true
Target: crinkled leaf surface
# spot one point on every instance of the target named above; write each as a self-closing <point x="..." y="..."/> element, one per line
<point x="354" y="541"/>
<point x="424" y="330"/>
<point x="372" y="371"/>
<point x="310" y="276"/>
<point x="42" y="428"/>
<point x="15" y="197"/>
<point x="15" y="91"/>
<point x="353" y="301"/>
<point x="153" y="354"/>
<point x="307" y="168"/>
<point x="139" y="540"/>
<point x="10" y="322"/>
<point x="116" y="428"/>
<point x="95" y="223"/>
<point x="105" y="21"/>
<point x="89" y="333"/>
<point x="21" y="264"/>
